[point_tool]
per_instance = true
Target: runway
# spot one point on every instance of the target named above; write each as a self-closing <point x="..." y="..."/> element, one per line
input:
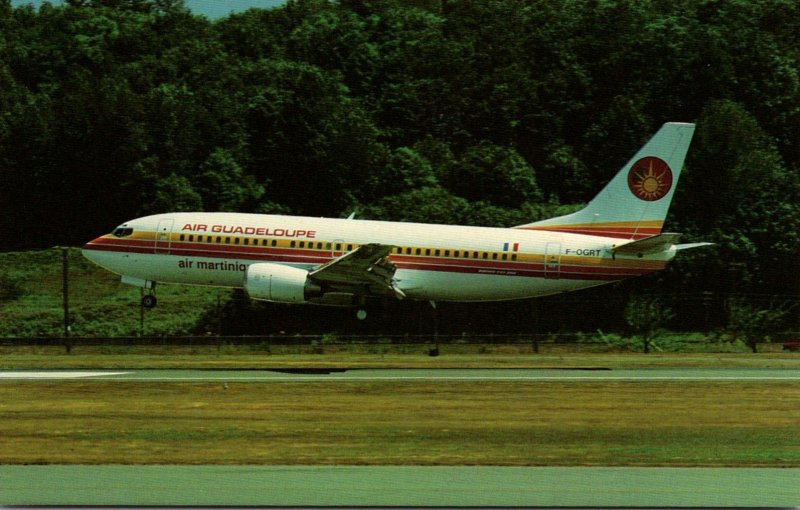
<point x="446" y="375"/>
<point x="375" y="486"/>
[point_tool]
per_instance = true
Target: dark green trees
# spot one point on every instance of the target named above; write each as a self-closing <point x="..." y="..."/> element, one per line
<point x="487" y="113"/>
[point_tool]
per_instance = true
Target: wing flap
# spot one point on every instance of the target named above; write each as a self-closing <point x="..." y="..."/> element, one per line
<point x="366" y="268"/>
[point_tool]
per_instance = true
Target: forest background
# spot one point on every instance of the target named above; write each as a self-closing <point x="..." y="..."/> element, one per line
<point x="441" y="111"/>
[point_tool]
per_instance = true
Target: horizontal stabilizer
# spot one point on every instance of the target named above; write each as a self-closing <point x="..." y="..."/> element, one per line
<point x="654" y="244"/>
<point x="691" y="245"/>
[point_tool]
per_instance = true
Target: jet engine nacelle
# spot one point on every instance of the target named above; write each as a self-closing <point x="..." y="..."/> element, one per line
<point x="277" y="282"/>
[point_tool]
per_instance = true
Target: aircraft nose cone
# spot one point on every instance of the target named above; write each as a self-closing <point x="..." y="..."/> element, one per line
<point x="99" y="252"/>
<point x="89" y="250"/>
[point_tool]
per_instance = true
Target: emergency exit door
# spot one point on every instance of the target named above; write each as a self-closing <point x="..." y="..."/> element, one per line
<point x="552" y="261"/>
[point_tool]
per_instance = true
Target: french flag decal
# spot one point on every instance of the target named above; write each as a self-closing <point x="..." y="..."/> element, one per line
<point x="515" y="246"/>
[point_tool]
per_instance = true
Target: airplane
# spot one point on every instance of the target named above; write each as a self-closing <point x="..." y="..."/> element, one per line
<point x="342" y="262"/>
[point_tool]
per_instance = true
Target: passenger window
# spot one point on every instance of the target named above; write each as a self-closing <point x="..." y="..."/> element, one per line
<point x="293" y="244"/>
<point x="427" y="251"/>
<point x="219" y="239"/>
<point x="494" y="256"/>
<point x="447" y="253"/>
<point x="274" y="243"/>
<point x="338" y="247"/>
<point x="474" y="254"/>
<point x="505" y="256"/>
<point x="191" y="238"/>
<point x="437" y="252"/>
<point x="246" y="241"/>
<point x="302" y="244"/>
<point x="327" y="246"/>
<point x="235" y="240"/>
<point x="513" y="256"/>
<point x="227" y="240"/>
<point x="183" y="237"/>
<point x="319" y="246"/>
<point x="485" y="255"/>
<point x="349" y="247"/>
<point x="408" y="251"/>
<point x="419" y="250"/>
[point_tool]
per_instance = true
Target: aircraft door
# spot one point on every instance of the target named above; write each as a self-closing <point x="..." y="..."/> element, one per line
<point x="163" y="236"/>
<point x="338" y="248"/>
<point x="552" y="261"/>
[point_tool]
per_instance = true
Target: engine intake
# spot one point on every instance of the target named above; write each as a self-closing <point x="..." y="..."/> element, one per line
<point x="277" y="282"/>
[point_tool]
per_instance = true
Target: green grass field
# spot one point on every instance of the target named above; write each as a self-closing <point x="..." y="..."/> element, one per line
<point x="600" y="423"/>
<point x="100" y="305"/>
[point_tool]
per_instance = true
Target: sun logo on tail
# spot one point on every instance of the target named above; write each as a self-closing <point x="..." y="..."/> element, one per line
<point x="650" y="179"/>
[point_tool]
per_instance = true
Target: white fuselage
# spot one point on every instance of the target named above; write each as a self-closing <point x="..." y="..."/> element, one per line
<point x="434" y="262"/>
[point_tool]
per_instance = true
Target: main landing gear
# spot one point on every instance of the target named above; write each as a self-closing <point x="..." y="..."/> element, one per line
<point x="149" y="300"/>
<point x="361" y="313"/>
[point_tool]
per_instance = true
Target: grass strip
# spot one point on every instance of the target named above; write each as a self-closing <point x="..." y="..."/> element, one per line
<point x="396" y="423"/>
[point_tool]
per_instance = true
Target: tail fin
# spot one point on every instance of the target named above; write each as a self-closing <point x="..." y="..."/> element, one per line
<point x="634" y="204"/>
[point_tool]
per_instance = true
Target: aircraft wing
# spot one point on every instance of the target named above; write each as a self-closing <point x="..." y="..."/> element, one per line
<point x="365" y="270"/>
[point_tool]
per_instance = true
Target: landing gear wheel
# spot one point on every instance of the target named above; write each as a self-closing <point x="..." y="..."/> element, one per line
<point x="361" y="314"/>
<point x="149" y="301"/>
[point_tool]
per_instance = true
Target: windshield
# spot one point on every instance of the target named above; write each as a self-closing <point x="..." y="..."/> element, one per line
<point x="122" y="231"/>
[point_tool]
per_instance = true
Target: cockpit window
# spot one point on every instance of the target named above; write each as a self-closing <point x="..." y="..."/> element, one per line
<point x="122" y="232"/>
